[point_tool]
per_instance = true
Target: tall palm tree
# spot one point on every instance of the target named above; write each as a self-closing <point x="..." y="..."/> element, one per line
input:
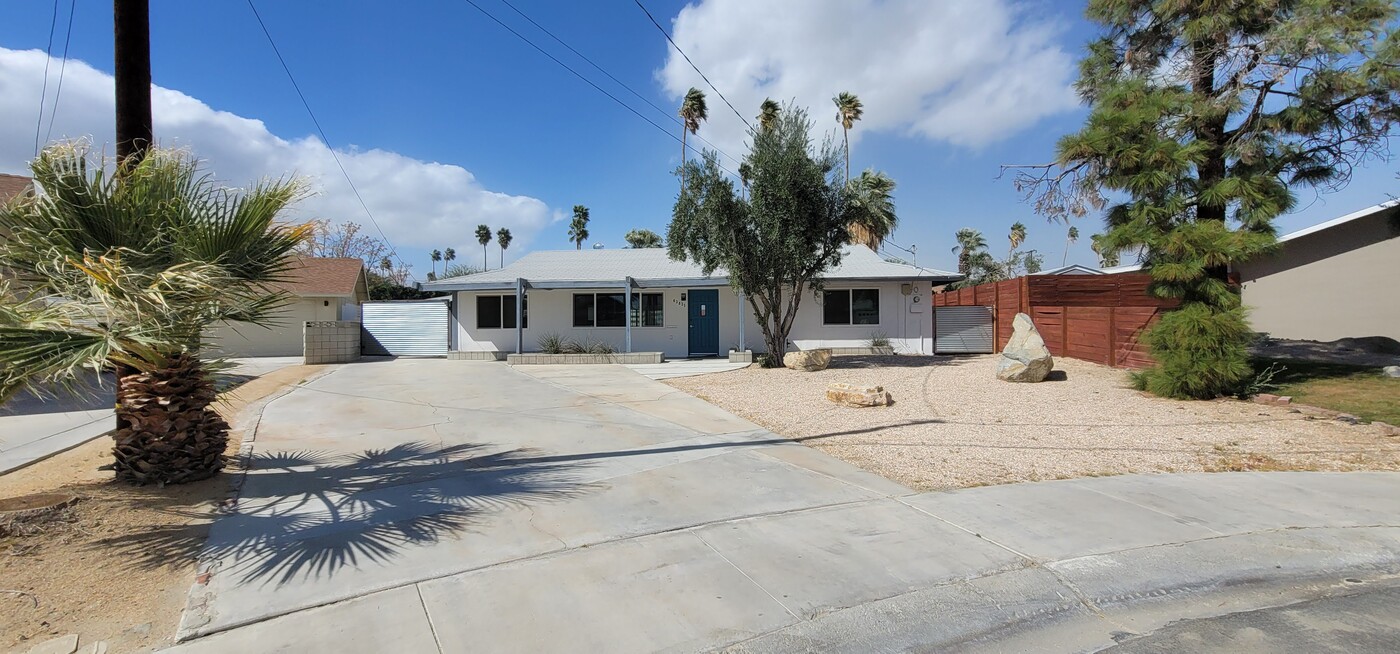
<point x="578" y="227"/>
<point x="503" y="239"/>
<point x="436" y="256"/>
<point x="692" y="113"/>
<point x="1070" y="238"/>
<point x="874" y="217"/>
<point x="768" y="114"/>
<point x="127" y="274"/>
<point x="483" y="236"/>
<point x="848" y="110"/>
<point x="448" y="256"/>
<point x="1107" y="258"/>
<point x="1016" y="237"/>
<point x="971" y="245"/>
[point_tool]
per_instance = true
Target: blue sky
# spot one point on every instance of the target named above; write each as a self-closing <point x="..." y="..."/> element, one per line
<point x="446" y="120"/>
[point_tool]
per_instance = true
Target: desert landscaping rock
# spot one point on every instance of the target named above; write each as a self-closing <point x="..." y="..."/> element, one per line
<point x="61" y="645"/>
<point x="1391" y="371"/>
<point x="1025" y="357"/>
<point x="808" y="360"/>
<point x="857" y="396"/>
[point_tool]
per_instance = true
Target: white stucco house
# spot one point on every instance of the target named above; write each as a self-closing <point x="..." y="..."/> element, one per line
<point x="640" y="300"/>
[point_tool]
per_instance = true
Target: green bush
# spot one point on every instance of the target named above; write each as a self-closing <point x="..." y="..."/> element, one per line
<point x="879" y="339"/>
<point x="551" y="343"/>
<point x="1201" y="351"/>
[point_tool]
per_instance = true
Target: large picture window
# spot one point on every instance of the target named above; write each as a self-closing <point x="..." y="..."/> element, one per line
<point x="610" y="310"/>
<point x="498" y="312"/>
<point x="859" y="306"/>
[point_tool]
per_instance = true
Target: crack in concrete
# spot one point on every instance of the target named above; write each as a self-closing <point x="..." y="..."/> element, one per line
<point x="753" y="581"/>
<point x="432" y="628"/>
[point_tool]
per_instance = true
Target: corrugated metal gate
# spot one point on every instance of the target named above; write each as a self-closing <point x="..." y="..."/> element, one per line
<point x="963" y="330"/>
<point x="405" y="328"/>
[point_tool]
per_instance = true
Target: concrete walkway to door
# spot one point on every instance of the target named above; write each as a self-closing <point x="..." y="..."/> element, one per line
<point x="444" y="506"/>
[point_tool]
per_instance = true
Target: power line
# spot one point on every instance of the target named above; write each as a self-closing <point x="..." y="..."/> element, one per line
<point x="692" y="64"/>
<point x="610" y="76"/>
<point x="44" y="93"/>
<point x="327" y="140"/>
<point x="590" y="82"/>
<point x="58" y="94"/>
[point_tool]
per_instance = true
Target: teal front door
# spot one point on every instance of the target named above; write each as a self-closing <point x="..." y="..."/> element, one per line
<point x="704" y="322"/>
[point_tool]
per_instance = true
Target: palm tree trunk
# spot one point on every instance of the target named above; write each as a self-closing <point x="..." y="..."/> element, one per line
<point x="1066" y="257"/>
<point x="485" y="263"/>
<point x="846" y="137"/>
<point x="682" y="160"/>
<point x="503" y="257"/>
<point x="171" y="433"/>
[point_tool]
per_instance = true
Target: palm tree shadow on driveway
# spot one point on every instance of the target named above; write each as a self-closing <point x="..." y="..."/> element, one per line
<point x="310" y="513"/>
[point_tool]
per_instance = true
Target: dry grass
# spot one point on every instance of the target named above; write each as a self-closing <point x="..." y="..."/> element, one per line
<point x="955" y="425"/>
<point x="70" y="574"/>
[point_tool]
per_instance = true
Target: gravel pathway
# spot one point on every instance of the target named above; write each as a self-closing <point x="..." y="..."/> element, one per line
<point x="953" y="424"/>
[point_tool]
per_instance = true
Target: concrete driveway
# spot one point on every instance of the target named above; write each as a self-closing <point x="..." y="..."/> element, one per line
<point x="443" y="506"/>
<point x="34" y="427"/>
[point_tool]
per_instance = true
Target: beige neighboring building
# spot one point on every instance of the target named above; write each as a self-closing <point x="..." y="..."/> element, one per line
<point x="1339" y="279"/>
<point x="323" y="289"/>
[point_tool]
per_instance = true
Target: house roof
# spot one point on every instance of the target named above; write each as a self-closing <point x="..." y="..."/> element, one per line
<point x="653" y="268"/>
<point x="1072" y="269"/>
<point x="13" y="185"/>
<point x="323" y="276"/>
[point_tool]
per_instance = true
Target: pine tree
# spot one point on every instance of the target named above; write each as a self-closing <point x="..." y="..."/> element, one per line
<point x="1205" y="117"/>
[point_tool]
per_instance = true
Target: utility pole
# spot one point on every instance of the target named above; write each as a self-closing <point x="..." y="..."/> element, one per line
<point x="132" y="27"/>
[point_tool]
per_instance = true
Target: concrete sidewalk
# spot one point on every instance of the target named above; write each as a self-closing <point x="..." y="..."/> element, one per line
<point x="439" y="506"/>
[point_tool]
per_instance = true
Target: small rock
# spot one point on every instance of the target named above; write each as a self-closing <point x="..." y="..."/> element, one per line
<point x="857" y="396"/>
<point x="99" y="647"/>
<point x="808" y="360"/>
<point x="1391" y="371"/>
<point x="140" y="629"/>
<point x="1273" y="400"/>
<point x="61" y="645"/>
<point x="1025" y="357"/>
<point x="1348" y="418"/>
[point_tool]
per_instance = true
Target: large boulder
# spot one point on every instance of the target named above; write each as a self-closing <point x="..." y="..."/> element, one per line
<point x="808" y="360"/>
<point x="1025" y="357"/>
<point x="857" y="396"/>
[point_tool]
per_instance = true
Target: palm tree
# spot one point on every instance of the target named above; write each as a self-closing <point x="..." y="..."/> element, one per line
<point x="503" y="239"/>
<point x="874" y="218"/>
<point x="768" y="114"/>
<point x="386" y="264"/>
<point x="1107" y="258"/>
<point x="483" y="236"/>
<point x="641" y="239"/>
<point x="126" y="274"/>
<point x="578" y="228"/>
<point x="692" y="113"/>
<point x="848" y="110"/>
<point x="1017" y="237"/>
<point x="448" y="256"/>
<point x="971" y="246"/>
<point x="1070" y="239"/>
<point x="436" y="256"/>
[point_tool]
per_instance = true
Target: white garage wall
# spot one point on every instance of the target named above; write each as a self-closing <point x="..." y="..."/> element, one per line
<point x="283" y="337"/>
<point x="551" y="311"/>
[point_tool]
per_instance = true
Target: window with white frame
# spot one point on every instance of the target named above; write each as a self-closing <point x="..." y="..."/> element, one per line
<point x="498" y="312"/>
<point x="610" y="310"/>
<point x="856" y="306"/>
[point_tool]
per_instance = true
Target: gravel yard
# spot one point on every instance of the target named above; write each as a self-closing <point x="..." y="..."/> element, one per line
<point x="953" y="424"/>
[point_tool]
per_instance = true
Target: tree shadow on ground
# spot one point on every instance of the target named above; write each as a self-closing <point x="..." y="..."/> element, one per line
<point x="858" y="361"/>
<point x="310" y="513"/>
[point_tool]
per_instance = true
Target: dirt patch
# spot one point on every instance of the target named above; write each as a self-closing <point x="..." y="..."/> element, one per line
<point x="953" y="424"/>
<point x="83" y="570"/>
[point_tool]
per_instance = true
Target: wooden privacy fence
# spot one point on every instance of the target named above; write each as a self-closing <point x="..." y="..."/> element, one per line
<point x="1099" y="318"/>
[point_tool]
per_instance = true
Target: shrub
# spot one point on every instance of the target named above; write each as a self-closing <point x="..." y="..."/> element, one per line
<point x="599" y="347"/>
<point x="571" y="346"/>
<point x="1201" y="351"/>
<point x="551" y="343"/>
<point x="879" y="339"/>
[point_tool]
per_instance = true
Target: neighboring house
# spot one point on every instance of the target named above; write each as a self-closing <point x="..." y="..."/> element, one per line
<point x="322" y="289"/>
<point x="13" y="186"/>
<point x="674" y="309"/>
<point x="1072" y="269"/>
<point x="1329" y="281"/>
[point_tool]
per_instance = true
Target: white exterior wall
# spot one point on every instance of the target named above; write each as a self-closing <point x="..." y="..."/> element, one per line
<point x="283" y="337"/>
<point x="551" y="311"/>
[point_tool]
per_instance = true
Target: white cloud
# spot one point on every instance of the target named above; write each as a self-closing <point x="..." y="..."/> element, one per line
<point x="968" y="72"/>
<point x="419" y="204"/>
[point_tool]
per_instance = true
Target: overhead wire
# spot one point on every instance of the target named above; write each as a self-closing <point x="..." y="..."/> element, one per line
<point x="590" y="82"/>
<point x="44" y="91"/>
<point x="58" y="94"/>
<point x="692" y="64"/>
<point x="610" y="76"/>
<point x="392" y="251"/>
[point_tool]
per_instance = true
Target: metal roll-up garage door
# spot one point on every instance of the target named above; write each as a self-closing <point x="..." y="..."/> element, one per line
<point x="404" y="328"/>
<point x="963" y="330"/>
